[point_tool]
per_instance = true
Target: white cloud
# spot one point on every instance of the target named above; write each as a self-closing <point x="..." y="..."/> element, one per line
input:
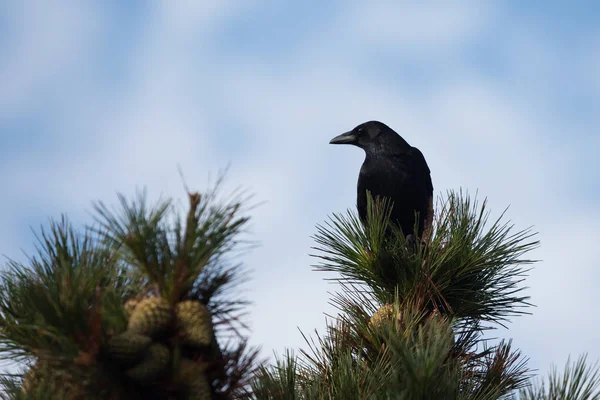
<point x="45" y="43"/>
<point x="429" y="28"/>
<point x="563" y="287"/>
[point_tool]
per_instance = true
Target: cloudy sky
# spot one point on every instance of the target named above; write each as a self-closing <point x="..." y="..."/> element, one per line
<point x="504" y="98"/>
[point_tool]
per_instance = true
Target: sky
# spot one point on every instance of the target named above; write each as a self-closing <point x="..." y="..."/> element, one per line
<point x="502" y="98"/>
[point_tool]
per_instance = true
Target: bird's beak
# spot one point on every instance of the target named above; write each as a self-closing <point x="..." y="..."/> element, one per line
<point x="344" y="138"/>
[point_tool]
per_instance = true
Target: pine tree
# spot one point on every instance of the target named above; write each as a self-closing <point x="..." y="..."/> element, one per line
<point x="141" y="306"/>
<point x="144" y="306"/>
<point x="411" y="321"/>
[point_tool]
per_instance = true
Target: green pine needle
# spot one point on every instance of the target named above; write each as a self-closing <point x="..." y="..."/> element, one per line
<point x="175" y="255"/>
<point x="468" y="269"/>
<point x="578" y="381"/>
<point x="47" y="308"/>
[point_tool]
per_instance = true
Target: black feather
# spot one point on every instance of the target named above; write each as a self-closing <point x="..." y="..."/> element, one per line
<point x="392" y="169"/>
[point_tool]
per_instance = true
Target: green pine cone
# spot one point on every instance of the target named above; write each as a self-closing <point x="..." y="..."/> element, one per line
<point x="130" y="306"/>
<point x="194" y="321"/>
<point x="128" y="348"/>
<point x="43" y="382"/>
<point x="195" y="381"/>
<point x="151" y="317"/>
<point x="156" y="361"/>
<point x="386" y="312"/>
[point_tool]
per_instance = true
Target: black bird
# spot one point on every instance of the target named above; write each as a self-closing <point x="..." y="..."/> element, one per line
<point x="392" y="169"/>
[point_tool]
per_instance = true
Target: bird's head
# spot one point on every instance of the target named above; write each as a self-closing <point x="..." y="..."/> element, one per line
<point x="372" y="136"/>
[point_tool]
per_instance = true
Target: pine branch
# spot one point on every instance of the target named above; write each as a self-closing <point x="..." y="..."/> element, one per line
<point x="469" y="271"/>
<point x="410" y="314"/>
<point x="170" y="253"/>
<point x="278" y="382"/>
<point x="46" y="307"/>
<point x="239" y="366"/>
<point x="68" y="314"/>
<point x="578" y="381"/>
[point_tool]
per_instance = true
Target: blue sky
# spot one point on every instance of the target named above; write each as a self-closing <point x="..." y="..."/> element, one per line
<point x="503" y="98"/>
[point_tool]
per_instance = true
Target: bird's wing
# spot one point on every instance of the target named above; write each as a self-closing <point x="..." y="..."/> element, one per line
<point x="419" y="160"/>
<point x="421" y="164"/>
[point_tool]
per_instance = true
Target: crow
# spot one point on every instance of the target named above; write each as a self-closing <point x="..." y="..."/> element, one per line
<point x="392" y="169"/>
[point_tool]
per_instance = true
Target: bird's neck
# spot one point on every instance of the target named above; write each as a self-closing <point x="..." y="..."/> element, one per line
<point x="384" y="153"/>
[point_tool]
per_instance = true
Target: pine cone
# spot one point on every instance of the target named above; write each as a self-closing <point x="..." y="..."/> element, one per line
<point x="128" y="348"/>
<point x="45" y="382"/>
<point x="151" y="317"/>
<point x="130" y="306"/>
<point x="193" y="376"/>
<point x="154" y="364"/>
<point x="385" y="313"/>
<point x="194" y="320"/>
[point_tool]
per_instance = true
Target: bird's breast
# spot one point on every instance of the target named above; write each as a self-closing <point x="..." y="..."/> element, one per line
<point x="382" y="176"/>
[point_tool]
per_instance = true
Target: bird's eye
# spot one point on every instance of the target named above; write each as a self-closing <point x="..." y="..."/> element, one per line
<point x="360" y="131"/>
